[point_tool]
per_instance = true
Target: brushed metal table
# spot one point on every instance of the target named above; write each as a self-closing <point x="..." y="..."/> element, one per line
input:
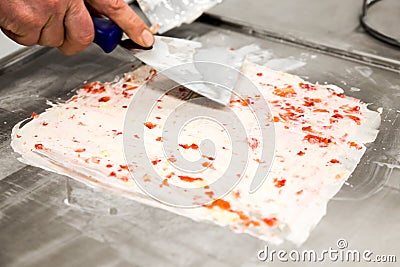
<point x="50" y="220"/>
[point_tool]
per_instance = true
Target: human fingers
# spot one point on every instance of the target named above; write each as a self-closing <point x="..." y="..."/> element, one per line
<point x="52" y="33"/>
<point x="21" y="25"/>
<point x="78" y="26"/>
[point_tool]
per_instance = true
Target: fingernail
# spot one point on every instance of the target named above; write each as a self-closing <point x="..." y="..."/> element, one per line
<point x="148" y="38"/>
<point x="154" y="28"/>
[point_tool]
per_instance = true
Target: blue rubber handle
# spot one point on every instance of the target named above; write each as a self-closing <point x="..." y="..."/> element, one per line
<point x="107" y="33"/>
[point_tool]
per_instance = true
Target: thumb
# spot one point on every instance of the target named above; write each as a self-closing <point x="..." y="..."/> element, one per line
<point x="120" y="13"/>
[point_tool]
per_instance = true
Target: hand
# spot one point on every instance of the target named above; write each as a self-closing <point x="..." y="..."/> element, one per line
<point x="66" y="24"/>
<point x="120" y="13"/>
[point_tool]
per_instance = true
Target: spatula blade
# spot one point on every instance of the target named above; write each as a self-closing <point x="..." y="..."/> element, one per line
<point x="176" y="59"/>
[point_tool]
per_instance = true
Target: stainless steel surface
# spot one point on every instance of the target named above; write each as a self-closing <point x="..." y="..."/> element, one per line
<point x="49" y="220"/>
<point x="330" y="24"/>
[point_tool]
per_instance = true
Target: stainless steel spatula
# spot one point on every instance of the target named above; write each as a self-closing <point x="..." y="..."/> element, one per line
<point x="175" y="58"/>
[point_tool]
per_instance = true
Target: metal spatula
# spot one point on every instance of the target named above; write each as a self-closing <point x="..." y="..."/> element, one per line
<point x="175" y="58"/>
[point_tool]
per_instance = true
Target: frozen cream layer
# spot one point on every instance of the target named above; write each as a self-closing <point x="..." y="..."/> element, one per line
<point x="319" y="140"/>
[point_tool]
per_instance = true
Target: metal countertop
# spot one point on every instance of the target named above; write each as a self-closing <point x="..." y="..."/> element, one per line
<point x="330" y="24"/>
<point x="50" y="220"/>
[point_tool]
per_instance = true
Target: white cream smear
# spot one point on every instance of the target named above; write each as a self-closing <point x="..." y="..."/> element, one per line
<point x="320" y="137"/>
<point x="172" y="13"/>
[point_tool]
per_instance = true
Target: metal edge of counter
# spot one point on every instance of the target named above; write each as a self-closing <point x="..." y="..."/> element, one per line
<point x="354" y="55"/>
<point x="21" y="56"/>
